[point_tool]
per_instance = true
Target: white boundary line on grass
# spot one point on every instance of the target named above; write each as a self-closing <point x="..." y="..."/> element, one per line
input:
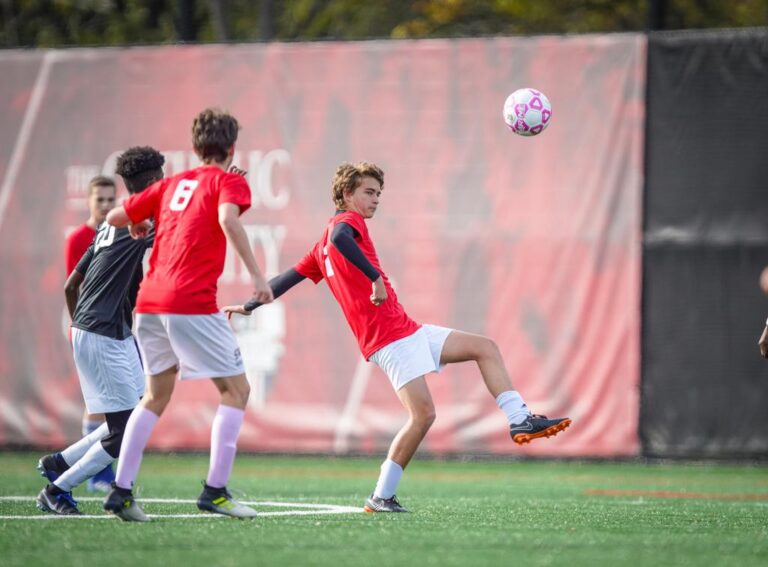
<point x="304" y="509"/>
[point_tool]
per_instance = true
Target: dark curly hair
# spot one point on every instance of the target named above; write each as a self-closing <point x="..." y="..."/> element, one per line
<point x="140" y="166"/>
<point x="213" y="133"/>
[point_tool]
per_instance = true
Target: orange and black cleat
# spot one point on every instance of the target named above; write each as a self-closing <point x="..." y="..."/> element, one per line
<point x="536" y="426"/>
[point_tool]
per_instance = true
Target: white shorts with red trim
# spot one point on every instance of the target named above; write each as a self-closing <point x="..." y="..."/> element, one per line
<point x="201" y="346"/>
<point x="412" y="356"/>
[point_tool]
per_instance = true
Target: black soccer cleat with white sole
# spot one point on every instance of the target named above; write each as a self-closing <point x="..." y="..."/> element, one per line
<point x="220" y="501"/>
<point x="376" y="504"/>
<point x="51" y="466"/>
<point x="53" y="500"/>
<point x="536" y="426"/>
<point x="121" y="503"/>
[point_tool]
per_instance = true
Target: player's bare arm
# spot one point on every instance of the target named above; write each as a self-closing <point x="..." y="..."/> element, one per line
<point x="118" y="218"/>
<point x="229" y="219"/>
<point x="72" y="291"/>
<point x="379" y="294"/>
<point x="763" y="343"/>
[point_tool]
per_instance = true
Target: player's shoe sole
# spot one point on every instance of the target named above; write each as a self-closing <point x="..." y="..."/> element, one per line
<point x="538" y="430"/>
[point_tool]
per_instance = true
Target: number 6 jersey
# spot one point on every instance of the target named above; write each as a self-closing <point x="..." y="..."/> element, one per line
<point x="190" y="246"/>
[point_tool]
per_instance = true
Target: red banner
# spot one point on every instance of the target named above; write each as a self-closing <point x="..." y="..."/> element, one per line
<point x="534" y="242"/>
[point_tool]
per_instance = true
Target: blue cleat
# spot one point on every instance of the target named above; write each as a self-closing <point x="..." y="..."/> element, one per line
<point x="102" y="480"/>
<point x="55" y="501"/>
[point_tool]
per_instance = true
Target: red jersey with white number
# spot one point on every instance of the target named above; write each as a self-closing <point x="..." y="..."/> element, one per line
<point x="190" y="246"/>
<point x="75" y="245"/>
<point x="374" y="327"/>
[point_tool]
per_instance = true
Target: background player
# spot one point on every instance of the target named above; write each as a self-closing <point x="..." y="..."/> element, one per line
<point x="106" y="356"/>
<point x="345" y="257"/>
<point x="178" y="323"/>
<point x="101" y="199"/>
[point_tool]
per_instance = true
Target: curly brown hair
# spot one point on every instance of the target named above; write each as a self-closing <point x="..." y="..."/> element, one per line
<point x="214" y="131"/>
<point x="348" y="177"/>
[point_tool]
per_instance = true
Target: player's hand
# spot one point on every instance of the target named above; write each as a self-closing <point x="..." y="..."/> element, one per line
<point x="139" y="230"/>
<point x="763" y="343"/>
<point x="239" y="309"/>
<point x="261" y="291"/>
<point x="237" y="171"/>
<point x="379" y="294"/>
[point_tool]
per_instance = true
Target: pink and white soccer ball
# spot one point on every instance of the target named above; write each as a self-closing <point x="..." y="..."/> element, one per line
<point x="527" y="112"/>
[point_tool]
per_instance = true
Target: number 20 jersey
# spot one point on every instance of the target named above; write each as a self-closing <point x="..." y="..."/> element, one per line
<point x="190" y="246"/>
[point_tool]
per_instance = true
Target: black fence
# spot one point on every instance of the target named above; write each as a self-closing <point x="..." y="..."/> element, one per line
<point x="704" y="386"/>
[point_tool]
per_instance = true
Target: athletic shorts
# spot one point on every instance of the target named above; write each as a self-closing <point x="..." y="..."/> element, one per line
<point x="201" y="346"/>
<point x="110" y="371"/>
<point x="412" y="356"/>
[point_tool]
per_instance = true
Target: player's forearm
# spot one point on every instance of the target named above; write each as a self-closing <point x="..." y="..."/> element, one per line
<point x="236" y="235"/>
<point x="72" y="291"/>
<point x="279" y="285"/>
<point x="117" y="217"/>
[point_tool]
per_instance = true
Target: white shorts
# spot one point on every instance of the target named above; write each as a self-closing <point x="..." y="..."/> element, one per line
<point x="412" y="356"/>
<point x="110" y="371"/>
<point x="202" y="346"/>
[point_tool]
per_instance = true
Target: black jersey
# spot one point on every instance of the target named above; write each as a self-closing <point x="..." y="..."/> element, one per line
<point x="112" y="269"/>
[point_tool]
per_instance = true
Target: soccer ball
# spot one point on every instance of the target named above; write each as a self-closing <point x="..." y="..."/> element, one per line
<point x="527" y="112"/>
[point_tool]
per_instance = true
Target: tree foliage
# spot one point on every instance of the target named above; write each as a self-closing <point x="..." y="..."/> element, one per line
<point x="46" y="23"/>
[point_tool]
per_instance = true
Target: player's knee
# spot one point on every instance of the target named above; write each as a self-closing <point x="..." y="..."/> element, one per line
<point x="424" y="415"/>
<point x="488" y="349"/>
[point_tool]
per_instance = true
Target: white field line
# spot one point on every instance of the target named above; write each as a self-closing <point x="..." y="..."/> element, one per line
<point x="304" y="509"/>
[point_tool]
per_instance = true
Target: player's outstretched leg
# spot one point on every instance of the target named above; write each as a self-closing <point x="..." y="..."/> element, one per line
<point x="523" y="426"/>
<point x="121" y="503"/>
<point x="54" y="500"/>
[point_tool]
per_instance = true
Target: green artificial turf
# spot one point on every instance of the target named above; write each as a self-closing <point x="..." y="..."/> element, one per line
<point x="463" y="513"/>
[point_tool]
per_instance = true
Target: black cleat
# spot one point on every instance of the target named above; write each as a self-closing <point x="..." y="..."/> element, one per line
<point x="536" y="426"/>
<point x="220" y="501"/>
<point x="51" y="467"/>
<point x="121" y="503"/>
<point x="55" y="501"/>
<point x="376" y="504"/>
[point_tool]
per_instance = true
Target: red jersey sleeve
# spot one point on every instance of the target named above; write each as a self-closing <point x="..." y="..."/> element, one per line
<point x="142" y="205"/>
<point x="234" y="189"/>
<point x="308" y="267"/>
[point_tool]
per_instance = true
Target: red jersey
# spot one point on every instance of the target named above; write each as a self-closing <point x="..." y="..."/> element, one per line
<point x="75" y="245"/>
<point x="374" y="327"/>
<point x="190" y="246"/>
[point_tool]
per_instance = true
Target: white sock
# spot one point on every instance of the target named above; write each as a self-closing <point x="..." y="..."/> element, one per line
<point x="389" y="478"/>
<point x="75" y="451"/>
<point x="513" y="406"/>
<point x="90" y="425"/>
<point x="94" y="460"/>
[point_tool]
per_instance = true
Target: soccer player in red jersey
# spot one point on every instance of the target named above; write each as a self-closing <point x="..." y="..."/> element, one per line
<point x="405" y="350"/>
<point x="179" y="327"/>
<point x="101" y="199"/>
